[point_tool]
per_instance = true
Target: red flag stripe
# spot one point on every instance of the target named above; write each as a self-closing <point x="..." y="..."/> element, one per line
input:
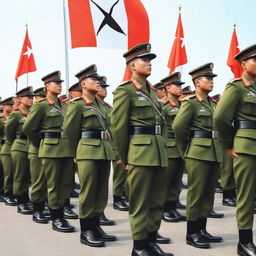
<point x="81" y="24"/>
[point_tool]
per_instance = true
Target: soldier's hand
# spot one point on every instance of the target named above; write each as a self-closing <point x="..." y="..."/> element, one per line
<point x="126" y="167"/>
<point x="232" y="153"/>
<point x="118" y="162"/>
<point x="74" y="160"/>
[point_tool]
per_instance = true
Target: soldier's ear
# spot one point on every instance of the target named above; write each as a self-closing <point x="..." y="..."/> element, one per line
<point x="243" y="64"/>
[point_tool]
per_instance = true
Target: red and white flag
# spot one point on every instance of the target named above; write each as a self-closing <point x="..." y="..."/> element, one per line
<point x="234" y="65"/>
<point x="178" y="56"/>
<point x="116" y="24"/>
<point x="26" y="62"/>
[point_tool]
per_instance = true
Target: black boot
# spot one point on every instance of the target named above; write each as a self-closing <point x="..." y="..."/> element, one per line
<point x="141" y="248"/>
<point x="1" y="197"/>
<point x="88" y="234"/>
<point x="194" y="237"/>
<point x="10" y="200"/>
<point x="229" y="198"/>
<point x="179" y="205"/>
<point x="47" y="212"/>
<point x="68" y="212"/>
<point x="104" y="221"/>
<point x="59" y="223"/>
<point x="119" y="204"/>
<point x="74" y="193"/>
<point x="38" y="214"/>
<point x="218" y="188"/>
<point x="23" y="205"/>
<point x="246" y="246"/>
<point x="215" y="215"/>
<point x="171" y="214"/>
<point x="101" y="235"/>
<point x="162" y="240"/>
<point x="206" y="235"/>
<point x="154" y="248"/>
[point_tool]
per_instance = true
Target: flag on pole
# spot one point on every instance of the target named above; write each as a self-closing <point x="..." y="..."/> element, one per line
<point x="116" y="24"/>
<point x="26" y="62"/>
<point x="234" y="65"/>
<point x="178" y="56"/>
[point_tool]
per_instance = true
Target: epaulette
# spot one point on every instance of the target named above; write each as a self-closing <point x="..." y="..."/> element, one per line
<point x="235" y="80"/>
<point x="87" y="100"/>
<point x="138" y="86"/>
<point x="188" y="97"/>
<point x="125" y="82"/>
<point x="74" y="99"/>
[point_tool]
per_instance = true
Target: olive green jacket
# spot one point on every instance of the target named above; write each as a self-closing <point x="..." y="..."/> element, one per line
<point x="6" y="147"/>
<point x="237" y="103"/>
<point x="196" y="113"/>
<point x="131" y="108"/>
<point x="171" y="107"/>
<point x="13" y="127"/>
<point x="48" y="115"/>
<point x="82" y="116"/>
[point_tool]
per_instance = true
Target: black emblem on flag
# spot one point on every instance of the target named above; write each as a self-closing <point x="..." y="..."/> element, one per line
<point x="108" y="19"/>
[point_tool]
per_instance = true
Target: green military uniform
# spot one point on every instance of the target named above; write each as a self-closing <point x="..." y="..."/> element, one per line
<point x="140" y="144"/>
<point x="1" y="165"/>
<point x="45" y="121"/>
<point x="19" y="151"/>
<point x="235" y="117"/>
<point x="175" y="161"/>
<point x="193" y="128"/>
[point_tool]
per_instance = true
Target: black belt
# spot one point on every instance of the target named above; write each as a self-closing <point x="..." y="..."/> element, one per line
<point x="245" y="124"/>
<point x="170" y="135"/>
<point x="205" y="134"/>
<point x="21" y="136"/>
<point x="135" y="130"/>
<point x="50" y="135"/>
<point x="95" y="134"/>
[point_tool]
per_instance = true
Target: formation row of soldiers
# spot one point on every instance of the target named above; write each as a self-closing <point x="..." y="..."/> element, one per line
<point x="151" y="143"/>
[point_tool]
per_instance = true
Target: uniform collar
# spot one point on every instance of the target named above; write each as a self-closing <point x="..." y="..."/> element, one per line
<point x="200" y="97"/>
<point x="23" y="111"/>
<point x="247" y="81"/>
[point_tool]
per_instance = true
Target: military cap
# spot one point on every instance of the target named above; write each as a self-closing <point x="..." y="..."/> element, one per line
<point x="204" y="70"/>
<point x="103" y="82"/>
<point x="53" y="77"/>
<point x="26" y="92"/>
<point x="173" y="78"/>
<point x="75" y="87"/>
<point x="7" y="101"/>
<point x="216" y="97"/>
<point x="187" y="90"/>
<point x="40" y="92"/>
<point x="159" y="86"/>
<point x="90" y="71"/>
<point x="247" y="53"/>
<point x="139" y="51"/>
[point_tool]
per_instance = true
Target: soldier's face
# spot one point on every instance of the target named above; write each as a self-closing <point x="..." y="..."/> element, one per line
<point x="54" y="87"/>
<point x="174" y="89"/>
<point x="26" y="101"/>
<point x="91" y="84"/>
<point x="205" y="83"/>
<point x="75" y="94"/>
<point x="102" y="92"/>
<point x="7" y="108"/>
<point x="142" y="66"/>
<point x="160" y="93"/>
<point x="249" y="66"/>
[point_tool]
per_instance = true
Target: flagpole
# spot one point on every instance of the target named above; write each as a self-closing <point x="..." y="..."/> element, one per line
<point x="66" y="46"/>
<point x="27" y="30"/>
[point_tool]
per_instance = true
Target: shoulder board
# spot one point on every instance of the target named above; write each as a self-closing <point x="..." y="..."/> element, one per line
<point x="125" y="83"/>
<point x="74" y="99"/>
<point x="138" y="86"/>
<point x="188" y="97"/>
<point x="87" y="100"/>
<point x="235" y="80"/>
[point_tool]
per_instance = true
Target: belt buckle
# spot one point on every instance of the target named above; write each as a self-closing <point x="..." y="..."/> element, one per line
<point x="215" y="134"/>
<point x="103" y="135"/>
<point x="158" y="130"/>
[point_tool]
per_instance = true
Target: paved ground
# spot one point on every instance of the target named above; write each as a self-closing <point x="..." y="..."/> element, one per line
<point x="22" y="237"/>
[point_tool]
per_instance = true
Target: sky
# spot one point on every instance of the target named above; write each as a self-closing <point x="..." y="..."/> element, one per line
<point x="207" y="24"/>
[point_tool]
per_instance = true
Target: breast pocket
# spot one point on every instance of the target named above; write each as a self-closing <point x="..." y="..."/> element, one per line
<point x="90" y="120"/>
<point x="249" y="104"/>
<point x="205" y="119"/>
<point x="54" y="119"/>
<point x="143" y="109"/>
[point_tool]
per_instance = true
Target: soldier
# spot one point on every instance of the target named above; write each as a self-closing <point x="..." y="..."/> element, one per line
<point x="235" y="117"/>
<point x="64" y="98"/>
<point x="19" y="149"/>
<point x="1" y="166"/>
<point x="86" y="125"/>
<point x="198" y="143"/>
<point x="139" y="128"/>
<point x="75" y="91"/>
<point x="172" y="85"/>
<point x="160" y="91"/>
<point x="5" y="153"/>
<point x="45" y="121"/>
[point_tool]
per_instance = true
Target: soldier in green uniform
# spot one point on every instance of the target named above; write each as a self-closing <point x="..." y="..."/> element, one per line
<point x="198" y="142"/>
<point x="235" y="117"/>
<point x="1" y="166"/>
<point x="86" y="125"/>
<point x="44" y="129"/>
<point x="139" y="130"/>
<point x="172" y="85"/>
<point x="75" y="91"/>
<point x="19" y="149"/>
<point x="5" y="153"/>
